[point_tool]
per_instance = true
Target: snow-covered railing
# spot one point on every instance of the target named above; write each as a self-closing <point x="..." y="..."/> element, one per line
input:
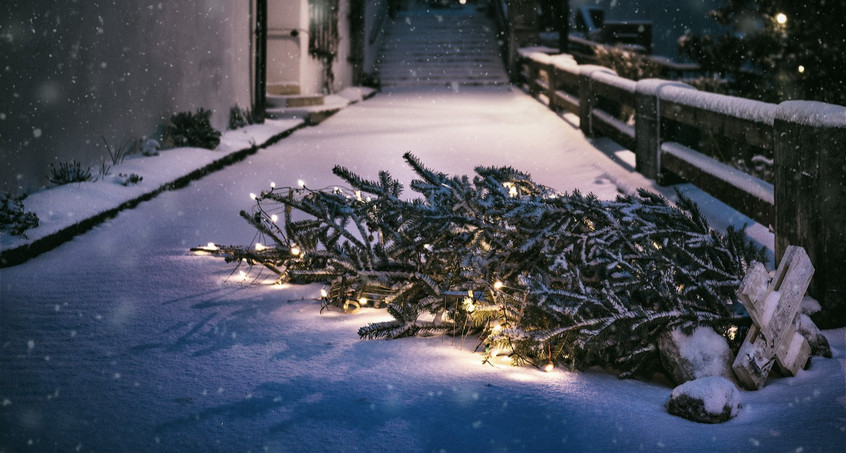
<point x="805" y="205"/>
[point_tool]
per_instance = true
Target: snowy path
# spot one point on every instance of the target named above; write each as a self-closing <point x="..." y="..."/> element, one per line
<point x="121" y="341"/>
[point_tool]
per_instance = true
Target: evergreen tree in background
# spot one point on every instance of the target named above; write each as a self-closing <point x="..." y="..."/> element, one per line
<point x="540" y="276"/>
<point x="780" y="50"/>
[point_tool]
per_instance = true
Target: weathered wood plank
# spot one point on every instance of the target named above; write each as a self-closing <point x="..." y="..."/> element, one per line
<point x="744" y="192"/>
<point x="755" y="133"/>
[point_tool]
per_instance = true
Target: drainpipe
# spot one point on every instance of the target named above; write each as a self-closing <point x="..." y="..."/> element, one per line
<point x="260" y="93"/>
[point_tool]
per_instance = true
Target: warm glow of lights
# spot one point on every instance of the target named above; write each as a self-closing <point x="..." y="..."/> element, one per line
<point x="362" y="301"/>
<point x="781" y="18"/>
<point x="300" y="183"/>
<point x="732" y="332"/>
<point x="211" y="247"/>
<point x="801" y="69"/>
<point x="274" y="218"/>
<point x="497" y="328"/>
<point x="498" y="285"/>
<point x="260" y="247"/>
<point x="324" y="293"/>
<point x="522" y="377"/>
<point x="272" y="185"/>
<point x="463" y="2"/>
<point x="512" y="189"/>
<point x="468" y="305"/>
<point x="253" y="196"/>
<point x="295" y="250"/>
<point x="549" y="367"/>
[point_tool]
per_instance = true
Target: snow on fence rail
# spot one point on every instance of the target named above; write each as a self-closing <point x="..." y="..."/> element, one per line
<point x="806" y="203"/>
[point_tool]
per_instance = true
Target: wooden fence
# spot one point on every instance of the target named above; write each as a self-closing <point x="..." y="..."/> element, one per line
<point x="805" y="205"/>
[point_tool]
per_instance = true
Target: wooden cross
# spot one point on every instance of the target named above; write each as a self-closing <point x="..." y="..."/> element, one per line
<point x="774" y="309"/>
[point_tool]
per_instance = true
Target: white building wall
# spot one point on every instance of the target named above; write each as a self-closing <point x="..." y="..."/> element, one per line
<point x="72" y="72"/>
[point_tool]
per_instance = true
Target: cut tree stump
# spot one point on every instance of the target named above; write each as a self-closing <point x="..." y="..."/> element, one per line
<point x="773" y="306"/>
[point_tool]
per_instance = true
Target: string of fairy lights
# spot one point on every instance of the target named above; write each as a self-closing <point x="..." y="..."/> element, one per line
<point x="271" y="229"/>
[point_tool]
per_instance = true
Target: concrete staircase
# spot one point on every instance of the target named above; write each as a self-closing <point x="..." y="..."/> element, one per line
<point x="441" y="47"/>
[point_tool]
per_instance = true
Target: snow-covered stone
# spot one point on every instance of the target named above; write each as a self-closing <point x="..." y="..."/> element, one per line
<point x="703" y="353"/>
<point x="816" y="340"/>
<point x="710" y="399"/>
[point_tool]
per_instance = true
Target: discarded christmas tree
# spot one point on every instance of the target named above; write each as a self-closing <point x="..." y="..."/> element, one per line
<point x="540" y="276"/>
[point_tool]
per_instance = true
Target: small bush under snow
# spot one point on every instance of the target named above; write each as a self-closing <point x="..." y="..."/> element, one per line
<point x="711" y="399"/>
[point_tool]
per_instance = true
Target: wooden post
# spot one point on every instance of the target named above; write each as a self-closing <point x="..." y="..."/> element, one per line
<point x="809" y="153"/>
<point x="774" y="309"/>
<point x="552" y="85"/>
<point x="587" y="97"/>
<point x="648" y="125"/>
<point x="523" y="32"/>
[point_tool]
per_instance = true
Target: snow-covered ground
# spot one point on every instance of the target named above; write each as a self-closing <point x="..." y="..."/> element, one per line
<point x="120" y="340"/>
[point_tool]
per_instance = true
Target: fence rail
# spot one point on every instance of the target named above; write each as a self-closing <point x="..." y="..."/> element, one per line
<point x="662" y="121"/>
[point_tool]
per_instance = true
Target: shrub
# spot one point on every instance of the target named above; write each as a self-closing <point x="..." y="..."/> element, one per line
<point x="191" y="129"/>
<point x="627" y="64"/>
<point x="69" y="172"/>
<point x="129" y="179"/>
<point x="13" y="218"/>
<point x="118" y="154"/>
<point x="239" y="117"/>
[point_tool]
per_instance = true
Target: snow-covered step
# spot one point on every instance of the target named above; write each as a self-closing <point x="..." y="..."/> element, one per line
<point x="441" y="47"/>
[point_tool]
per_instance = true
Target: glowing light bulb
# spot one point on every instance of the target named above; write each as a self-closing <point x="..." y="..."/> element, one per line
<point x="781" y="18"/>
<point x="272" y="185"/>
<point x="498" y="285"/>
<point x="300" y="183"/>
<point x="274" y="218"/>
<point x="512" y="189"/>
<point x="260" y="247"/>
<point x="295" y="250"/>
<point x="253" y="196"/>
<point x="362" y="301"/>
<point x="732" y="332"/>
<point x="549" y="367"/>
<point x="211" y="247"/>
<point x="801" y="69"/>
<point x="324" y="293"/>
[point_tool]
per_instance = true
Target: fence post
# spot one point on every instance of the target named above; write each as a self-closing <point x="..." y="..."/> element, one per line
<point x="523" y="32"/>
<point x="552" y="85"/>
<point x="587" y="98"/>
<point x="648" y="125"/>
<point x="809" y="153"/>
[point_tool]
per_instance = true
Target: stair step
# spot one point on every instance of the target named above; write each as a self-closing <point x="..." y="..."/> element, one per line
<point x="444" y="47"/>
<point x="295" y="100"/>
<point x="283" y="89"/>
